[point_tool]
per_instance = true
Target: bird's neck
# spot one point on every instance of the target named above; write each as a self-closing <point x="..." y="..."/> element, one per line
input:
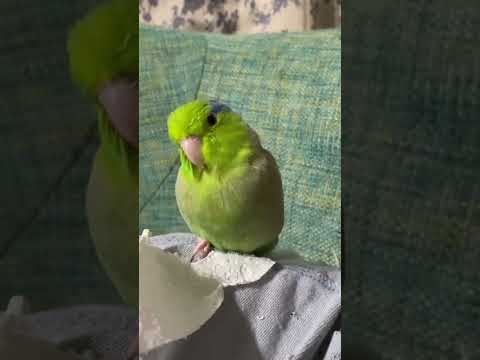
<point x="220" y="167"/>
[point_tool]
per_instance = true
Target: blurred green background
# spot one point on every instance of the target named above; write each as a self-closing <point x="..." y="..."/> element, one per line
<point x="48" y="140"/>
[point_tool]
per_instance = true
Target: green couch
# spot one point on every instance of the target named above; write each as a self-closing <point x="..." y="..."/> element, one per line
<point x="286" y="86"/>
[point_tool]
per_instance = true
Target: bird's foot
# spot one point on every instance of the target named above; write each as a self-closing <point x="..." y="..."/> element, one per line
<point x="201" y="250"/>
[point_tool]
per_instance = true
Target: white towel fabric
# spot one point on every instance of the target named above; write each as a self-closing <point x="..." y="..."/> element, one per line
<point x="177" y="297"/>
<point x="285" y="314"/>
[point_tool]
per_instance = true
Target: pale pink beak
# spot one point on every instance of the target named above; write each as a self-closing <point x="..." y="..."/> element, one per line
<point x="120" y="99"/>
<point x="192" y="147"/>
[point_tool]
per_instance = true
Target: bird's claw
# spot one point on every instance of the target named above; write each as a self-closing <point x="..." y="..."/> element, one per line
<point x="201" y="250"/>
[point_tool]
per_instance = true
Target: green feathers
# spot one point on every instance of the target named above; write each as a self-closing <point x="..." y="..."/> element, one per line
<point x="104" y="45"/>
<point x="120" y="160"/>
<point x="234" y="198"/>
<point x="226" y="139"/>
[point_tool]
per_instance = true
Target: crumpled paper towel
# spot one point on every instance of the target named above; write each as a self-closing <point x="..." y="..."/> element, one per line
<point x="232" y="269"/>
<point x="177" y="297"/>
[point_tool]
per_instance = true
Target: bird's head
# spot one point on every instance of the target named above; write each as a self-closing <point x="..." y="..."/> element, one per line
<point x="210" y="137"/>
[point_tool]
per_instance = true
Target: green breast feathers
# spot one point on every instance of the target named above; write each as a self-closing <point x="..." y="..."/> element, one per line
<point x="229" y="189"/>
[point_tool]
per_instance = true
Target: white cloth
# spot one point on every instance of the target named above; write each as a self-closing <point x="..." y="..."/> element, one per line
<point x="286" y="314"/>
<point x="334" y="350"/>
<point x="177" y="297"/>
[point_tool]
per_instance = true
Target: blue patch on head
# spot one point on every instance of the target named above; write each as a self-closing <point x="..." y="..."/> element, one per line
<point x="218" y="107"/>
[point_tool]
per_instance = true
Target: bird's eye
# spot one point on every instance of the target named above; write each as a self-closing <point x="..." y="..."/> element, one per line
<point x="211" y="120"/>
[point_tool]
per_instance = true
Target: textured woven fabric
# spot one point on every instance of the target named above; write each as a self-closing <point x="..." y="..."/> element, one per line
<point x="286" y="315"/>
<point x="334" y="351"/>
<point x="410" y="178"/>
<point x="286" y="86"/>
<point x="248" y="16"/>
<point x="102" y="332"/>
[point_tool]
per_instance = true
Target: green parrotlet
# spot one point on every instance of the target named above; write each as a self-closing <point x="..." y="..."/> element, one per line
<point x="103" y="54"/>
<point x="229" y="188"/>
